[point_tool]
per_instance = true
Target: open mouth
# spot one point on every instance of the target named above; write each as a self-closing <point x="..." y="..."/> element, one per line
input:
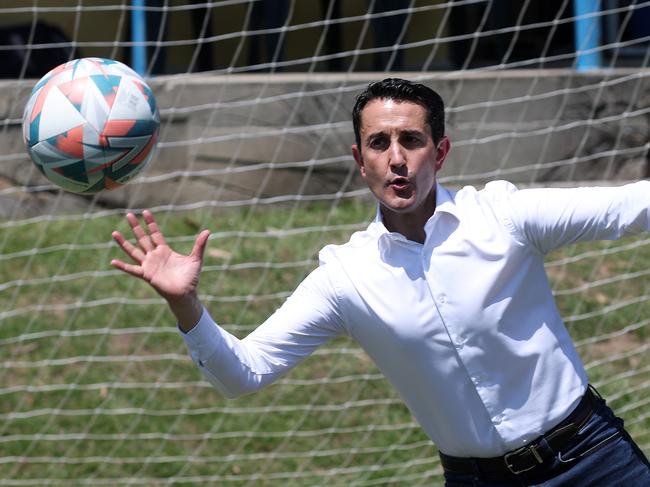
<point x="400" y="184"/>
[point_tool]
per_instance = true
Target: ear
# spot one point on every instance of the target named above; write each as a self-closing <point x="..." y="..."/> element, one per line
<point x="358" y="158"/>
<point x="444" y="146"/>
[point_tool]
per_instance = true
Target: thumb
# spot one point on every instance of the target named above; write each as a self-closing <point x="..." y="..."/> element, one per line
<point x="200" y="244"/>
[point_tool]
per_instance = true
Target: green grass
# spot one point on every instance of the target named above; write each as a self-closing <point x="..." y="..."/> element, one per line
<point x="125" y="401"/>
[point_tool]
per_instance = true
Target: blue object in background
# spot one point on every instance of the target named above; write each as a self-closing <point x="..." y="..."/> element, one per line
<point x="587" y="35"/>
<point x="139" y="37"/>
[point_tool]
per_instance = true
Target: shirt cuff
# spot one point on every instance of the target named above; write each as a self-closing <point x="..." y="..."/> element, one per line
<point x="204" y="338"/>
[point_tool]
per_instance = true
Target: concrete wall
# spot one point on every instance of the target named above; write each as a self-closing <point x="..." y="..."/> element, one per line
<point x="230" y="138"/>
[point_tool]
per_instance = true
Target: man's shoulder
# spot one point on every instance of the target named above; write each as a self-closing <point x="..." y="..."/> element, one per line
<point x="471" y="199"/>
<point x="492" y="189"/>
<point x="361" y="243"/>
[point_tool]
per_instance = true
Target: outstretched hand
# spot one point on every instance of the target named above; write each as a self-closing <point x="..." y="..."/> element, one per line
<point x="174" y="276"/>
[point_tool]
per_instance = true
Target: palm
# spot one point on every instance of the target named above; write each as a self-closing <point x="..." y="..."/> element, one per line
<point x="171" y="274"/>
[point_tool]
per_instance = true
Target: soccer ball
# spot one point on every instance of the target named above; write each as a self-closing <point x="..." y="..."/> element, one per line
<point x="91" y="124"/>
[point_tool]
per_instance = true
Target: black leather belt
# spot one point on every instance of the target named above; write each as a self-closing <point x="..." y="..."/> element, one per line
<point x="530" y="456"/>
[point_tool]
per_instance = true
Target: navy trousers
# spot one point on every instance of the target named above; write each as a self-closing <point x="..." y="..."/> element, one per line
<point x="601" y="455"/>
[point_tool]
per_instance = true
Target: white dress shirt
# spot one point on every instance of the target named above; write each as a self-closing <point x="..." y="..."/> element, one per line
<point x="464" y="326"/>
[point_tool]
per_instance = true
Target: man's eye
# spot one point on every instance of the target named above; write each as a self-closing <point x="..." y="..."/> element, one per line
<point x="377" y="144"/>
<point x="410" y="141"/>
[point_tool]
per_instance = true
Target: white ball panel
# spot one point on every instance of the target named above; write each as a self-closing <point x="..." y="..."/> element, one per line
<point x="130" y="103"/>
<point x="58" y="115"/>
<point x="94" y="107"/>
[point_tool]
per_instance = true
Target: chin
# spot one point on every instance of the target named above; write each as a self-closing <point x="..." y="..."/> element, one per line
<point x="399" y="206"/>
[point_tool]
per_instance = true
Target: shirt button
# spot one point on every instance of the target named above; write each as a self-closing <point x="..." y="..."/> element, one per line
<point x="442" y="299"/>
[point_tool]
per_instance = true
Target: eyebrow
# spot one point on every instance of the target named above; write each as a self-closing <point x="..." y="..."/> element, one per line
<point x="413" y="132"/>
<point x="402" y="132"/>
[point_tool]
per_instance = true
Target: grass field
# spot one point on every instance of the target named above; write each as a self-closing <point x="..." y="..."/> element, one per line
<point x="96" y="387"/>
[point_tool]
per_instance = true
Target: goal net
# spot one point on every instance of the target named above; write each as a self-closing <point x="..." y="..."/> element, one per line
<point x="96" y="386"/>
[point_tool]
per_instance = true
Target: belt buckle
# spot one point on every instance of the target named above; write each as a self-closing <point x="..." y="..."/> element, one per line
<point x="523" y="449"/>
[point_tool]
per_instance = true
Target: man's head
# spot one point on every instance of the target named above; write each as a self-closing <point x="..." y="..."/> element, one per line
<point x="402" y="90"/>
<point x="400" y="147"/>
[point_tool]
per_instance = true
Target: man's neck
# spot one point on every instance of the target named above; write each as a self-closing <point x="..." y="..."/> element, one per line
<point x="409" y="224"/>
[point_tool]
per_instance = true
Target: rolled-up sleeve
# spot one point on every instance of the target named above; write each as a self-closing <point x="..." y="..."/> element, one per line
<point x="309" y="318"/>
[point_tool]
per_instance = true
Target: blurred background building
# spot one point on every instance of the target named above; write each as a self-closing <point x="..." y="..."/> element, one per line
<point x="317" y="35"/>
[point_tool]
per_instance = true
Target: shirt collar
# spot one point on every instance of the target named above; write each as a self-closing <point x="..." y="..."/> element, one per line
<point x="445" y="203"/>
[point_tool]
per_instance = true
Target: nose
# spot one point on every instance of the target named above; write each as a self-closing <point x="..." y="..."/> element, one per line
<point x="396" y="154"/>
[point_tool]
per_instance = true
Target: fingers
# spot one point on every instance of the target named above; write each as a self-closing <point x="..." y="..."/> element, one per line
<point x="131" y="250"/>
<point x="134" y="270"/>
<point x="144" y="241"/>
<point x="200" y="244"/>
<point x="147" y="242"/>
<point x="154" y="232"/>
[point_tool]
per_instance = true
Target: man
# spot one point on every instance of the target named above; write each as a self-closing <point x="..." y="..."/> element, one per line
<point x="446" y="291"/>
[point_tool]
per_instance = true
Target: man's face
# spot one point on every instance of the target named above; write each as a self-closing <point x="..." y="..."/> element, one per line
<point x="398" y="158"/>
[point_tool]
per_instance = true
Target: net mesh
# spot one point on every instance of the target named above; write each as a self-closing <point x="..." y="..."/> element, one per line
<point x="96" y="386"/>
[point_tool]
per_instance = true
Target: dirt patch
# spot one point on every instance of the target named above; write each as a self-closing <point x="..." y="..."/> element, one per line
<point x="122" y="344"/>
<point x="627" y="342"/>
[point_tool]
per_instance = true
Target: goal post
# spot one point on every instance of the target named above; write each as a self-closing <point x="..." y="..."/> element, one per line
<point x="96" y="386"/>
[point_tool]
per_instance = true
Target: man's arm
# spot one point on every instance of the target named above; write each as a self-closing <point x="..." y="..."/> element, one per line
<point x="552" y="218"/>
<point x="309" y="318"/>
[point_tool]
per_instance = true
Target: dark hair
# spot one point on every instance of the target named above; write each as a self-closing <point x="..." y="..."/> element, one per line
<point x="402" y="90"/>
